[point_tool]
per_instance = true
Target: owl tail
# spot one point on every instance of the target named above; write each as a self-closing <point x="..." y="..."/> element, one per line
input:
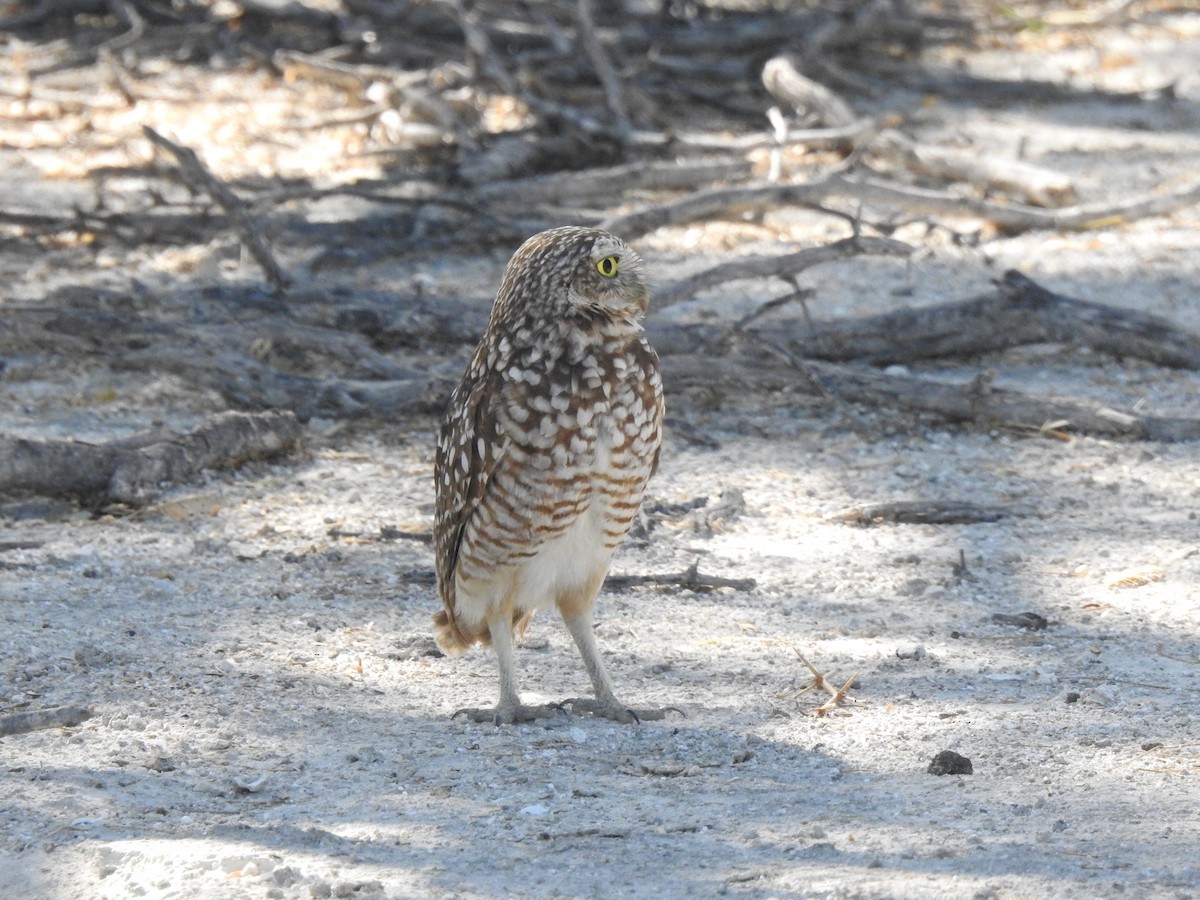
<point x="448" y="635"/>
<point x="453" y="640"/>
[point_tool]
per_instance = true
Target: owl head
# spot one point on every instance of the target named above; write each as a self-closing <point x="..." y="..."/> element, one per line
<point x="574" y="270"/>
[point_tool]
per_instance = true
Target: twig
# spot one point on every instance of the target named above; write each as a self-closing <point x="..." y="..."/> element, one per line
<point x="604" y="69"/>
<point x="609" y="181"/>
<point x="784" y="266"/>
<point x="688" y="579"/>
<point x="1036" y="185"/>
<point x="37" y="719"/>
<point x="832" y="138"/>
<point x="837" y="696"/>
<point x="1010" y="217"/>
<point x="387" y="534"/>
<point x="199" y="178"/>
<point x="921" y="512"/>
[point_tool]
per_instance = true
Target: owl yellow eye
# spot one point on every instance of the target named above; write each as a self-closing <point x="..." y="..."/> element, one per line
<point x="607" y="266"/>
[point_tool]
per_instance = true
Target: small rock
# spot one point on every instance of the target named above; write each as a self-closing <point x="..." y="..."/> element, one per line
<point x="413" y="646"/>
<point x="534" y="809"/>
<point x="365" y="754"/>
<point x="916" y="651"/>
<point x="357" y="888"/>
<point x="1072" y="697"/>
<point x="90" y="656"/>
<point x="1096" y="697"/>
<point x="950" y="763"/>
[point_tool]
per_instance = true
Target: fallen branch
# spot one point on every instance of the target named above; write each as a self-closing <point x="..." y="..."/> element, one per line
<point x="786" y="266"/>
<point x="38" y="719"/>
<point x="996" y="407"/>
<point x="956" y="402"/>
<point x="1012" y="218"/>
<point x="1033" y="184"/>
<point x="604" y="69"/>
<point x="921" y="512"/>
<point x="783" y="80"/>
<point x="133" y="470"/>
<point x="1018" y="312"/>
<point x="690" y="579"/>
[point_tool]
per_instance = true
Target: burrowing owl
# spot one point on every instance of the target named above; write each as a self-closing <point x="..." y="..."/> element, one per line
<point x="545" y="451"/>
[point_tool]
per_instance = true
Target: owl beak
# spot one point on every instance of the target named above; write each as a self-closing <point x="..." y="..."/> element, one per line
<point x="629" y="299"/>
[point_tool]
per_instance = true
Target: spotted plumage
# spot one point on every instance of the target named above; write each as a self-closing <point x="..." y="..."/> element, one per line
<point x="545" y="452"/>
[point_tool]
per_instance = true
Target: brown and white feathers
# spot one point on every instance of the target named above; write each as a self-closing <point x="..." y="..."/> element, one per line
<point x="549" y="439"/>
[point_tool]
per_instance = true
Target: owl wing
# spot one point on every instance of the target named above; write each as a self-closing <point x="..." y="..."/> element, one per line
<point x="468" y="452"/>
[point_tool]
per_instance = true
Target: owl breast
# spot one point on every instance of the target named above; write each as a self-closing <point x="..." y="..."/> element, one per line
<point x="581" y="429"/>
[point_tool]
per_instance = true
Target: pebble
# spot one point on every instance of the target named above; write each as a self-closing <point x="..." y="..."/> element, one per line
<point x="950" y="763"/>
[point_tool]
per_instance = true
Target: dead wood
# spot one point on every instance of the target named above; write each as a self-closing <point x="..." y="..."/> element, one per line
<point x="133" y="470"/>
<point x="609" y="181"/>
<point x="37" y="719"/>
<point x="1032" y="184"/>
<point x="784" y="81"/>
<point x="720" y="202"/>
<point x="909" y="397"/>
<point x="1017" y="312"/>
<point x="786" y="266"/>
<point x="922" y="512"/>
<point x="689" y="580"/>
<point x="992" y="407"/>
<point x="198" y="178"/>
<point x="613" y="93"/>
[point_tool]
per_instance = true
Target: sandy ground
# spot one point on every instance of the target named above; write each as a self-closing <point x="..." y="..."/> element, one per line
<point x="272" y="720"/>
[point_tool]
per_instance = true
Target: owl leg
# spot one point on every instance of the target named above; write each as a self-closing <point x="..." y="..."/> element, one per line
<point x="606" y="705"/>
<point x="509" y="709"/>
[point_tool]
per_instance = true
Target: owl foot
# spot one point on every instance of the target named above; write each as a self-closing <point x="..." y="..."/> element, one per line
<point x="508" y="715"/>
<point x="587" y="706"/>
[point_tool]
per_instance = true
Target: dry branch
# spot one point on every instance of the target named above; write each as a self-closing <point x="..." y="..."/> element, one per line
<point x="604" y="69"/>
<point x="690" y="579"/>
<point x="1017" y="312"/>
<point x="1034" y="184"/>
<point x="784" y="81"/>
<point x="37" y="719"/>
<point x="921" y="512"/>
<point x="196" y="176"/>
<point x="132" y="470"/>
<point x="786" y="266"/>
<point x="916" y="201"/>
<point x="608" y="181"/>
<point x="996" y="407"/>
